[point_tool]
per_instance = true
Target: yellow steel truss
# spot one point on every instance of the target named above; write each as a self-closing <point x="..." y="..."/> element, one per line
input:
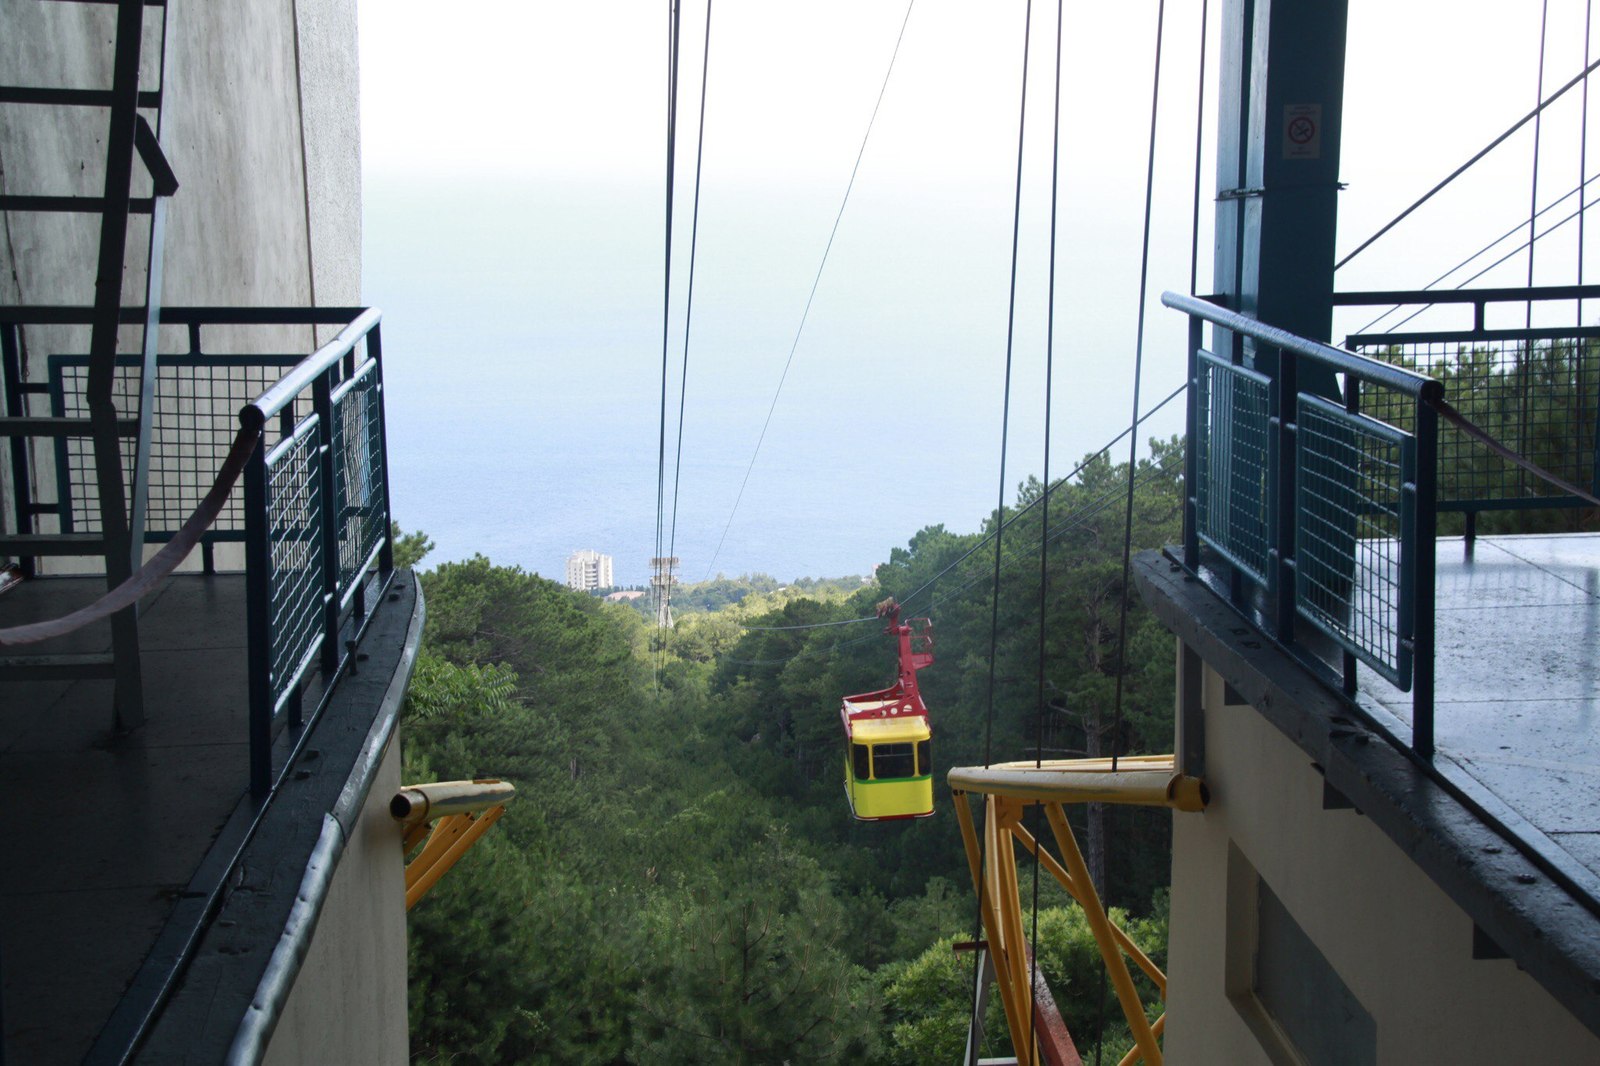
<point x="1008" y="790"/>
<point x="450" y="816"/>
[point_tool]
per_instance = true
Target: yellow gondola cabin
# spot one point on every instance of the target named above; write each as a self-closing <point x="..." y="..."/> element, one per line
<point x="888" y="765"/>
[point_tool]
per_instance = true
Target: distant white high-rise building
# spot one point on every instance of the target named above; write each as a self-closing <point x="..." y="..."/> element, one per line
<point x="589" y="570"/>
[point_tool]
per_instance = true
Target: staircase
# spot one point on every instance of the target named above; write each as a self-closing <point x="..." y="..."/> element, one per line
<point x="113" y="437"/>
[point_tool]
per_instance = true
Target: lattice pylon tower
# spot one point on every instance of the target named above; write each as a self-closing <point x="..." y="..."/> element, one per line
<point x="662" y="582"/>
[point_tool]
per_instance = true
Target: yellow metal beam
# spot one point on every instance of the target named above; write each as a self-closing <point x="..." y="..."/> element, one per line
<point x="459" y="812"/>
<point x="456" y="833"/>
<point x="1116" y="966"/>
<point x="1008" y="789"/>
<point x="1053" y="866"/>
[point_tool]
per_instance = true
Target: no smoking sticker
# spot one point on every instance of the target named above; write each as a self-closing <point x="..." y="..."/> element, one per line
<point x="1302" y="131"/>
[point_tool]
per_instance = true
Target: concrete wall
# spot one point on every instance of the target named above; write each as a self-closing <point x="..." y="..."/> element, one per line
<point x="1398" y="943"/>
<point x="349" y="1002"/>
<point x="261" y="124"/>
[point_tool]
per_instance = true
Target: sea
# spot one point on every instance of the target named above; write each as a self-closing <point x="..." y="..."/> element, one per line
<point x="523" y="347"/>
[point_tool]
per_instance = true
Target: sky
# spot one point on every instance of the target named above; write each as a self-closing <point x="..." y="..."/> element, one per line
<point x="514" y="159"/>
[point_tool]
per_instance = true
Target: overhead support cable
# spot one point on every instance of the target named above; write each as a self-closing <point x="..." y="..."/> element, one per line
<point x="688" y="311"/>
<point x="1464" y="167"/>
<point x="1138" y="373"/>
<point x="1000" y="507"/>
<point x="1005" y="398"/>
<point x="673" y="17"/>
<point x="1199" y="144"/>
<point x="815" y="282"/>
<point x="1583" y="150"/>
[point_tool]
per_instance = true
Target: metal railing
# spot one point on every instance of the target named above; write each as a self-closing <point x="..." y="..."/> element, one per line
<point x="1317" y="510"/>
<point x="314" y="517"/>
<point x="316" y="510"/>
<point x="1536" y="389"/>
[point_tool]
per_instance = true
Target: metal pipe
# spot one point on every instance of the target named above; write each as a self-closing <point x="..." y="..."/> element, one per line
<point x="423" y="803"/>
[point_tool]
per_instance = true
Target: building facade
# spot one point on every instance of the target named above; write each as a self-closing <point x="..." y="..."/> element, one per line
<point x="589" y="571"/>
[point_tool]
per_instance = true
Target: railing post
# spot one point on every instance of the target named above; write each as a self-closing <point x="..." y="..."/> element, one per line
<point x="1281" y="486"/>
<point x="1427" y="531"/>
<point x="16" y="406"/>
<point x="258" y="615"/>
<point x="328" y="521"/>
<point x="1191" y="460"/>
<point x="1348" y="664"/>
<point x="375" y="353"/>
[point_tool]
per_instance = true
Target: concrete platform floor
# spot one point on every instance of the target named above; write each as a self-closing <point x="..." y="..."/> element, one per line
<point x="105" y="832"/>
<point x="1517" y="715"/>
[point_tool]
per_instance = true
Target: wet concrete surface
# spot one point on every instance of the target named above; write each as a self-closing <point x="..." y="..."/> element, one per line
<point x="1517" y="713"/>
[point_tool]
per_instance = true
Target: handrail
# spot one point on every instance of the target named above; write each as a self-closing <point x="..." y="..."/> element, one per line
<point x="1410" y="383"/>
<point x="308" y="369"/>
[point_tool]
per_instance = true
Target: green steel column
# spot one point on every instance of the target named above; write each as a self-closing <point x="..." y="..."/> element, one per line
<point x="1278" y="160"/>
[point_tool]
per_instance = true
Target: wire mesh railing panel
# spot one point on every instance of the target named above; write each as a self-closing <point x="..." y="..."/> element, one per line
<point x="358" y="473"/>
<point x="1350" y="524"/>
<point x="1233" y="463"/>
<point x="1539" y="397"/>
<point x="197" y="402"/>
<point x="77" y="495"/>
<point x="295" y="576"/>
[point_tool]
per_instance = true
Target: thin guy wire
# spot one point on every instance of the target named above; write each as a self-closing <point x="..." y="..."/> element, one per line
<point x="816" y="281"/>
<point x="1583" y="149"/>
<point x="688" y="311"/>
<point x="1538" y="131"/>
<point x="1044" y="513"/>
<point x="1138" y="369"/>
<point x="813" y="625"/>
<point x="1464" y="167"/>
<point x="1509" y="255"/>
<point x="1174" y="394"/>
<point x="1074" y="520"/>
<point x="1512" y="232"/>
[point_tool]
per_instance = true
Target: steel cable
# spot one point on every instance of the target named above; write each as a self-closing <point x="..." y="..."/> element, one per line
<point x="815" y="282"/>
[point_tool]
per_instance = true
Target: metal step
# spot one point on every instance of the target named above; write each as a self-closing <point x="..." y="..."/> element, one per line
<point x="28" y="94"/>
<point x="40" y="426"/>
<point x="28" y="545"/>
<point x="82" y="205"/>
<point x="57" y="667"/>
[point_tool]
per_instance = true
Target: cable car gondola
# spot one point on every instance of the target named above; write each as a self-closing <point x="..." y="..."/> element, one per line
<point x="888" y="762"/>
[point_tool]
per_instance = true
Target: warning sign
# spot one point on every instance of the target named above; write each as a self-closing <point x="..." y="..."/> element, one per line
<point x="1302" y="131"/>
